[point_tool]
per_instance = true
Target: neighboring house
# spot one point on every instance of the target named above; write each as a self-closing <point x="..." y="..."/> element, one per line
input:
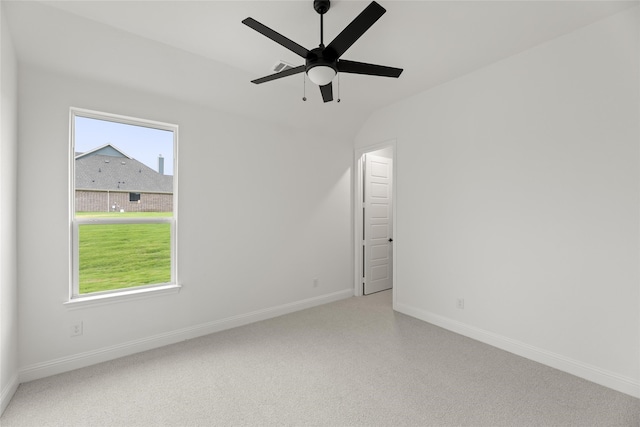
<point x="109" y="180"/>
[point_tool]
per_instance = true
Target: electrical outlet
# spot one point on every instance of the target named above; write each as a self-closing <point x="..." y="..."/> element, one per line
<point x="76" y="329"/>
<point x="460" y="304"/>
<point x="316" y="282"/>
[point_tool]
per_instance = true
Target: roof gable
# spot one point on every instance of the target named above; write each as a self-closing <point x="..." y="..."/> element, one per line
<point x="105" y="150"/>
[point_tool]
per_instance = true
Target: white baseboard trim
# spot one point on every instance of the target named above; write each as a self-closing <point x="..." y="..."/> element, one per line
<point x="583" y="370"/>
<point x="81" y="360"/>
<point x="8" y="391"/>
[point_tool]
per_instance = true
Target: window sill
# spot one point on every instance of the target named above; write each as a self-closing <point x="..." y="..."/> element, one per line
<point x="126" y="295"/>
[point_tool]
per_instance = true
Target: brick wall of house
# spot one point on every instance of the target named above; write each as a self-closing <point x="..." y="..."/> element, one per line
<point x="110" y="201"/>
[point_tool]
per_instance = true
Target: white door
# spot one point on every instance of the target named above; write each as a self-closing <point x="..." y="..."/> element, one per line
<point x="377" y="211"/>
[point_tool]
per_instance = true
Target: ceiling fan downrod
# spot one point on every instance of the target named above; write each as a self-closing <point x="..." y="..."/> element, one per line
<point x="322" y="7"/>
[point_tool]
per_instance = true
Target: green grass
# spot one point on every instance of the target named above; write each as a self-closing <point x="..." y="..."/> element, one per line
<point x="123" y="214"/>
<point x="118" y="256"/>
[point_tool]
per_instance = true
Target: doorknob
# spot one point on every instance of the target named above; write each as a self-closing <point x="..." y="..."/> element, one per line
<point x="390" y="239"/>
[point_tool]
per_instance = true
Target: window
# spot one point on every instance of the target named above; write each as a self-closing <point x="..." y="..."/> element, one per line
<point x="123" y="204"/>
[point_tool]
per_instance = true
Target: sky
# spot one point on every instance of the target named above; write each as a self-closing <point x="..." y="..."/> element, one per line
<point x="142" y="143"/>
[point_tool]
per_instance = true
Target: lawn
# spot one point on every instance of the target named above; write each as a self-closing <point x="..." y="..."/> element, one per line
<point x="123" y="214"/>
<point x="117" y="256"/>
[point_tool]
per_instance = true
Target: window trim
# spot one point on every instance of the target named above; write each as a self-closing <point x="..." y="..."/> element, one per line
<point x="75" y="298"/>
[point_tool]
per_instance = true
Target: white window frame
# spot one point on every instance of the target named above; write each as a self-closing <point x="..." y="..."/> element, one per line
<point x="75" y="297"/>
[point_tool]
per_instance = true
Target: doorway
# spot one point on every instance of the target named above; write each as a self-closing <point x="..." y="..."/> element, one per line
<point x="374" y="219"/>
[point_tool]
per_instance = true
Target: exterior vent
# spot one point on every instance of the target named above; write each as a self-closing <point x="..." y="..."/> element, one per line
<point x="282" y="66"/>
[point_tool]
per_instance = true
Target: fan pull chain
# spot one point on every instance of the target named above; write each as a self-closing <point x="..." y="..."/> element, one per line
<point x="304" y="86"/>
<point x="338" y="100"/>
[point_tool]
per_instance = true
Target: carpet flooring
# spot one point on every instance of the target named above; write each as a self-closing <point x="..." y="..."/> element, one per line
<point x="354" y="362"/>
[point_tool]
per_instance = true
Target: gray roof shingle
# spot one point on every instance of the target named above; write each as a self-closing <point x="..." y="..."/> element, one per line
<point x="101" y="172"/>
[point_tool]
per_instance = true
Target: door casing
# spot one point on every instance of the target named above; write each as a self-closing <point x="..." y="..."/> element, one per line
<point x="358" y="222"/>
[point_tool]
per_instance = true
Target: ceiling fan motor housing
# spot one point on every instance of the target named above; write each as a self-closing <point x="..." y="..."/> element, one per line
<point x="321" y="56"/>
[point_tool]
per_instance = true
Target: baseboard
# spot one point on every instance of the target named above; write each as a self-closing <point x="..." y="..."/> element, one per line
<point x="8" y="391"/>
<point x="81" y="360"/>
<point x="583" y="370"/>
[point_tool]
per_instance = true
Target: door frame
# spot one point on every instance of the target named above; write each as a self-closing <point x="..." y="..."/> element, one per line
<point x="357" y="213"/>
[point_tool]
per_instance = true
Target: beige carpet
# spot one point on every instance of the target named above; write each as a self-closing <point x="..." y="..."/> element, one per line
<point x="353" y="362"/>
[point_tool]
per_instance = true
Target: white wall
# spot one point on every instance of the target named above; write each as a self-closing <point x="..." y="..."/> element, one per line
<point x="518" y="190"/>
<point x="8" y="262"/>
<point x="262" y="211"/>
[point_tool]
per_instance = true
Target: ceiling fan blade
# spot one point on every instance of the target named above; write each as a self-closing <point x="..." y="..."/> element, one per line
<point x="369" y="69"/>
<point x="281" y="74"/>
<point x="355" y="29"/>
<point x="327" y="92"/>
<point x="276" y="37"/>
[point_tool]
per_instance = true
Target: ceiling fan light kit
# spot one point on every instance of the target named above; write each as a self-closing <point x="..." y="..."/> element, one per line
<point x="323" y="63"/>
<point x="321" y="74"/>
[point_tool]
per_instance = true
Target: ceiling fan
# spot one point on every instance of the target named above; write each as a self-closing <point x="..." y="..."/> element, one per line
<point x="323" y="63"/>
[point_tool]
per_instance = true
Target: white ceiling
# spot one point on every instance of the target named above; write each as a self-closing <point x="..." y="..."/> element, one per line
<point x="200" y="51"/>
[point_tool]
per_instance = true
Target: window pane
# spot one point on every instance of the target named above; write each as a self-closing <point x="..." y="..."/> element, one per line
<point x="123" y="168"/>
<point x="117" y="256"/>
<point x="114" y="161"/>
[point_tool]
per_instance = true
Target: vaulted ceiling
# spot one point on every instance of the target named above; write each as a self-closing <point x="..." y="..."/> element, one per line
<point x="200" y="52"/>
